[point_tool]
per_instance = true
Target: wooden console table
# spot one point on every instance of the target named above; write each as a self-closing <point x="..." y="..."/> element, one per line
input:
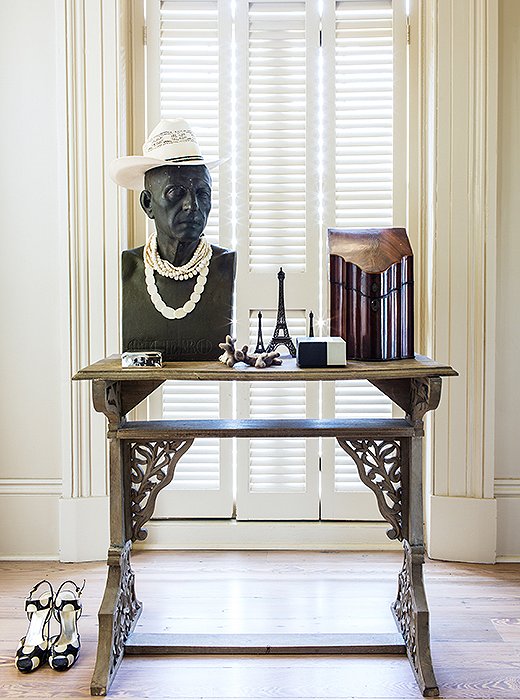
<point x="143" y="456"/>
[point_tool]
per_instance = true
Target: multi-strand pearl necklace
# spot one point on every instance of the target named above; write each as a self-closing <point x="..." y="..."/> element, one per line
<point x="198" y="265"/>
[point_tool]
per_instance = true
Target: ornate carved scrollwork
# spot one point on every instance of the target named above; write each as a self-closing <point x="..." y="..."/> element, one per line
<point x="127" y="607"/>
<point x="379" y="466"/>
<point x="411" y="614"/>
<point x="152" y="468"/>
<point x="107" y="399"/>
<point x="425" y="394"/>
<point x="403" y="608"/>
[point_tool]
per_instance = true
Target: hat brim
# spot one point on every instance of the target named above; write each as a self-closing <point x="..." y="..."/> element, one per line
<point x="129" y="171"/>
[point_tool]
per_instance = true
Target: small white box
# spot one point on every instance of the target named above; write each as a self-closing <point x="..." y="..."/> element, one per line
<point x="329" y="351"/>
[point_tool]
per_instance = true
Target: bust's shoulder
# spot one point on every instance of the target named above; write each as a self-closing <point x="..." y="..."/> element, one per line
<point x="218" y="251"/>
<point x="224" y="257"/>
<point x="133" y="252"/>
<point x="130" y="260"/>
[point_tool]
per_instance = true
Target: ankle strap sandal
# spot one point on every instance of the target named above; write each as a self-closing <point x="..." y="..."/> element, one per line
<point x="65" y="647"/>
<point x="33" y="649"/>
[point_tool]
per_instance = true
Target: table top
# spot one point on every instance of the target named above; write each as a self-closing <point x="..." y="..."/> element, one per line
<point x="110" y="369"/>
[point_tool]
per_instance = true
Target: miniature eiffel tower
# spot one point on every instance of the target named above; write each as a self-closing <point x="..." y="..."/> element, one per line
<point x="260" y="347"/>
<point x="281" y="332"/>
<point x="311" y="325"/>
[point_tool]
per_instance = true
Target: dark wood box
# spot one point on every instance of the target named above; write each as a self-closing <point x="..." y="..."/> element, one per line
<point x="371" y="292"/>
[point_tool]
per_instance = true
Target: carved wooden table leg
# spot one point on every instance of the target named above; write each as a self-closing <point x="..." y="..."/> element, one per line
<point x="410" y="608"/>
<point x="392" y="469"/>
<point x="119" y="609"/>
<point x="138" y="471"/>
<point x="416" y="397"/>
<point x="118" y="615"/>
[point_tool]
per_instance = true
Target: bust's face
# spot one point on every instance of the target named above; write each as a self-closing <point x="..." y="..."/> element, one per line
<point x="179" y="200"/>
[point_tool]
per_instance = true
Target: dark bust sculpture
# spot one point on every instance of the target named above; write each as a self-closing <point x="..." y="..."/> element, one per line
<point x="177" y="289"/>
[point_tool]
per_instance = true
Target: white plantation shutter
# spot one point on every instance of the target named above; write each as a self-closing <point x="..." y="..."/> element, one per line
<point x="188" y="78"/>
<point x="277" y="479"/>
<point x="355" y="399"/>
<point x="363" y="114"/>
<point x="203" y="483"/>
<point x="358" y="45"/>
<point x="188" y="53"/>
<point x="308" y="107"/>
<point x="277" y="226"/>
<point x="276" y="129"/>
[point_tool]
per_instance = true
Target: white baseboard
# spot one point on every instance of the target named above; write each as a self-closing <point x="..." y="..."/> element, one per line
<point x="29" y="522"/>
<point x="463" y="529"/>
<point x="507" y="492"/>
<point x="231" y="534"/>
<point x="84" y="529"/>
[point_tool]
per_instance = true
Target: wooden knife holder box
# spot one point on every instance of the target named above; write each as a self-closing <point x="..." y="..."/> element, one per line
<point x="372" y="292"/>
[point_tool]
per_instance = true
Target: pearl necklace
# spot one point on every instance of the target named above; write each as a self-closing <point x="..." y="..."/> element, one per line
<point x="200" y="259"/>
<point x="153" y="262"/>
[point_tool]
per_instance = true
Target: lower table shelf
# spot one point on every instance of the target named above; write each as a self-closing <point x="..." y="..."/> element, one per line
<point x="140" y="643"/>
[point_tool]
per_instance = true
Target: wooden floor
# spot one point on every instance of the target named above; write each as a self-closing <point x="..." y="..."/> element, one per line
<point x="475" y="622"/>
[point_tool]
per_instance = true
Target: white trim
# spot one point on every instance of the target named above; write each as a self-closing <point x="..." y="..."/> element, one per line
<point x="62" y="211"/>
<point x="507" y="487"/>
<point x="505" y="559"/>
<point x="93" y="59"/>
<point x="489" y="189"/>
<point x="20" y="512"/>
<point x="508" y="511"/>
<point x="297" y="535"/>
<point x="454" y="121"/>
<point x="78" y="516"/>
<point x="29" y="557"/>
<point x="32" y="486"/>
<point x="463" y="529"/>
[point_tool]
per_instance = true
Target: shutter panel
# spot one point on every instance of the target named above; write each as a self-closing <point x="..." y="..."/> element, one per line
<point x="277" y="94"/>
<point x="203" y="483"/>
<point x="189" y="79"/>
<point x="277" y="479"/>
<point x="358" y="39"/>
<point x="192" y="54"/>
<point x="277" y="226"/>
<point x="363" y="113"/>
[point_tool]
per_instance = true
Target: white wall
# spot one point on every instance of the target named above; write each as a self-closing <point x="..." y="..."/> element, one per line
<point x="32" y="341"/>
<point x="39" y="351"/>
<point x="507" y="464"/>
<point x="59" y="127"/>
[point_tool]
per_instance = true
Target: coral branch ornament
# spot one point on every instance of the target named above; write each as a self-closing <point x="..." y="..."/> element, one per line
<point x="232" y="355"/>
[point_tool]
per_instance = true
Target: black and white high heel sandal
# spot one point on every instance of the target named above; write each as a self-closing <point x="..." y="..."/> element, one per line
<point x="64" y="648"/>
<point x="33" y="650"/>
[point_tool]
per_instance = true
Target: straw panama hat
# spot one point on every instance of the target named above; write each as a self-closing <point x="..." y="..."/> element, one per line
<point x="172" y="142"/>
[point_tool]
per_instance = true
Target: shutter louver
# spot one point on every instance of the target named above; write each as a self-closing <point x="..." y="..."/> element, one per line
<point x="189" y="79"/>
<point x="199" y="468"/>
<point x="277" y="465"/>
<point x="362" y="84"/>
<point x="189" y="86"/>
<point x="276" y="123"/>
<point x="356" y="399"/>
<point x="271" y="472"/>
<point x="364" y="113"/>
<point x="363" y="118"/>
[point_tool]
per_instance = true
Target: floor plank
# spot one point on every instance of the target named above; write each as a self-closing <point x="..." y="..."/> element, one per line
<point x="475" y="626"/>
